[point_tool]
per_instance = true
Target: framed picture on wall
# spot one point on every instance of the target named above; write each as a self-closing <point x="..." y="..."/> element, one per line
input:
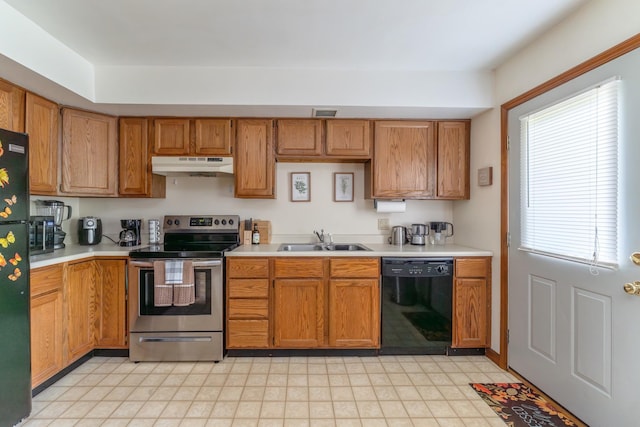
<point x="343" y="187"/>
<point x="300" y="186"/>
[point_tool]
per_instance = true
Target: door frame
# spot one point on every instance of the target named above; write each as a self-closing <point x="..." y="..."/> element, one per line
<point x="501" y="359"/>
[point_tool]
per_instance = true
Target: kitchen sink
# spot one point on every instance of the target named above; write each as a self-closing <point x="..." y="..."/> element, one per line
<point x="305" y="247"/>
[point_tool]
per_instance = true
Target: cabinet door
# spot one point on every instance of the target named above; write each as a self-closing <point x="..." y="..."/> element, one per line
<point x="347" y="138"/>
<point x="135" y="175"/>
<point x="41" y="123"/>
<point x="89" y="153"/>
<point x="254" y="159"/>
<point x="11" y="107"/>
<point x="470" y="317"/>
<point x="298" y="317"/>
<point x="349" y="327"/>
<point x="111" y="331"/>
<point x="453" y="160"/>
<point x="171" y="137"/>
<point x="299" y="137"/>
<point x="46" y="323"/>
<point x="80" y="309"/>
<point x="404" y="160"/>
<point x="213" y="137"/>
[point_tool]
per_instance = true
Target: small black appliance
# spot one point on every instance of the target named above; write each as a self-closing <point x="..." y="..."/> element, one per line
<point x="89" y="230"/>
<point x="130" y="235"/>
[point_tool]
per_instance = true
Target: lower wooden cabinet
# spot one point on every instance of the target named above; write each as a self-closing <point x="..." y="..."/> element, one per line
<point x="47" y="323"/>
<point x="110" y="304"/>
<point x="471" y="302"/>
<point x="298" y="313"/>
<point x="80" y="308"/>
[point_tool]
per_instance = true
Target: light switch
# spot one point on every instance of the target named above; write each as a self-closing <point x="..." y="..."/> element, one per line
<point x="485" y="176"/>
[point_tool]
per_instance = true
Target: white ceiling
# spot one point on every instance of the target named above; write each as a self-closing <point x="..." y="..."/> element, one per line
<point x="406" y="35"/>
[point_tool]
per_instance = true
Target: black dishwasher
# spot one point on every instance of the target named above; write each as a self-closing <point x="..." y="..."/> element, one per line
<point x="416" y="305"/>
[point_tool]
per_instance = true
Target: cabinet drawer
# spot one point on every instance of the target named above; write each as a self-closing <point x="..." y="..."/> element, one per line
<point x="471" y="267"/>
<point x="248" y="334"/>
<point x="248" y="288"/>
<point x="46" y="279"/>
<point x="248" y="309"/>
<point x="358" y="267"/>
<point x="298" y="267"/>
<point x="248" y="267"/>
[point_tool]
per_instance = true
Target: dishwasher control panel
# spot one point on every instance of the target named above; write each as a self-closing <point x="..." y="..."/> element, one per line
<point x="417" y="267"/>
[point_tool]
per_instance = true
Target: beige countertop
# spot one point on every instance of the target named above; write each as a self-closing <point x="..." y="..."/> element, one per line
<point x="79" y="252"/>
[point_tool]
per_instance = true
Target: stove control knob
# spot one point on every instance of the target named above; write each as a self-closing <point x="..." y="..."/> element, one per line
<point x="169" y="222"/>
<point x="216" y="221"/>
<point x="176" y="221"/>
<point x="230" y="222"/>
<point x="224" y="222"/>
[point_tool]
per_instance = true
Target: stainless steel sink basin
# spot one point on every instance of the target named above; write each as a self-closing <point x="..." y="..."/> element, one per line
<point x="306" y="247"/>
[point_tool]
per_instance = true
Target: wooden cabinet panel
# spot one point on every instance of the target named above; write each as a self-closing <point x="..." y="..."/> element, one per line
<point x="355" y="267"/>
<point x="349" y="327"/>
<point x="471" y="267"/>
<point x="298" y="315"/>
<point x="80" y="309"/>
<point x="46" y="279"/>
<point x="297" y="137"/>
<point x="41" y="123"/>
<point x="470" y="313"/>
<point x="254" y="159"/>
<point x="171" y="137"/>
<point x="248" y="267"/>
<point x="298" y="267"/>
<point x="248" y="334"/>
<point x="12" y="100"/>
<point x="248" y="288"/>
<point x="404" y="158"/>
<point x="346" y="138"/>
<point x="248" y="309"/>
<point x="110" y="316"/>
<point x="135" y="176"/>
<point x="89" y="153"/>
<point x="213" y="137"/>
<point x="453" y="160"/>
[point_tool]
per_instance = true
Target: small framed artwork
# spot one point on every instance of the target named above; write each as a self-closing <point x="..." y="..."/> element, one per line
<point x="300" y="186"/>
<point x="343" y="187"/>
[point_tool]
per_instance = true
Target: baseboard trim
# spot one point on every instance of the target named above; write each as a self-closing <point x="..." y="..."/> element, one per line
<point x="494" y="357"/>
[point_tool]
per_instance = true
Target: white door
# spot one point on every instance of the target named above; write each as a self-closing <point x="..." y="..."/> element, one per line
<point x="572" y="333"/>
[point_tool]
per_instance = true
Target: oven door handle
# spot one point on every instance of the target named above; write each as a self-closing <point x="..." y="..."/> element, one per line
<point x="207" y="263"/>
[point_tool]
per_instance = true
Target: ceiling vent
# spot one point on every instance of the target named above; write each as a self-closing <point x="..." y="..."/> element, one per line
<point x="324" y="113"/>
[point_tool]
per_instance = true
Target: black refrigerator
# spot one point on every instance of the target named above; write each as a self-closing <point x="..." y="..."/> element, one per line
<point x="15" y="357"/>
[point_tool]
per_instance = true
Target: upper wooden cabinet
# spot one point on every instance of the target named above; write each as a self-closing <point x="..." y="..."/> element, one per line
<point x="89" y="153"/>
<point x="136" y="179"/>
<point x="471" y="302"/>
<point x="254" y="159"/>
<point x="41" y="123"/>
<point x="12" y="100"/>
<point x="193" y="137"/>
<point x="453" y="160"/>
<point x="403" y="164"/>
<point x="307" y="139"/>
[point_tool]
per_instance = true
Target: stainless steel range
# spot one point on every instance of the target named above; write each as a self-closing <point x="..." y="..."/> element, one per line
<point x="163" y="328"/>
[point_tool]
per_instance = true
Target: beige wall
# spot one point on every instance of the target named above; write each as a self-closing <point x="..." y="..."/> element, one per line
<point x="597" y="26"/>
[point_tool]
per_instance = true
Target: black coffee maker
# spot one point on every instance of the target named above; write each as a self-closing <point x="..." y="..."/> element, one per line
<point x="130" y="235"/>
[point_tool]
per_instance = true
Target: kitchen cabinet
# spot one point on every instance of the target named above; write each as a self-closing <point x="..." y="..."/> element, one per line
<point x="403" y="164"/>
<point x="42" y="125"/>
<point x="453" y="160"/>
<point x="254" y="159"/>
<point x="12" y="99"/>
<point x="306" y="139"/>
<point x="80" y="289"/>
<point x="135" y="178"/>
<point x="299" y="301"/>
<point x="354" y="283"/>
<point x="471" y="302"/>
<point x="47" y="323"/>
<point x="247" y="303"/>
<point x="192" y="137"/>
<point x="110" y="303"/>
<point x="89" y="153"/>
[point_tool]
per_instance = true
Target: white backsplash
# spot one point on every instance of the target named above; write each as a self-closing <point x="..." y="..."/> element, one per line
<point x="290" y="221"/>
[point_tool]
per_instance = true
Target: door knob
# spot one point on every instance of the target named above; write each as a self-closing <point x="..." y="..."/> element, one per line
<point x="635" y="258"/>
<point x="632" y="288"/>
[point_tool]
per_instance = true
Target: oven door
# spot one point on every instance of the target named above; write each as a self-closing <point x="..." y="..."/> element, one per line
<point x="205" y="314"/>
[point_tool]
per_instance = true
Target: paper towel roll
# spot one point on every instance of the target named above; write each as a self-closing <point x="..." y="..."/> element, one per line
<point x="387" y="206"/>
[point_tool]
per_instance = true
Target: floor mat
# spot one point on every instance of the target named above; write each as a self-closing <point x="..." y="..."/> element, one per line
<point x="431" y="325"/>
<point x="520" y="406"/>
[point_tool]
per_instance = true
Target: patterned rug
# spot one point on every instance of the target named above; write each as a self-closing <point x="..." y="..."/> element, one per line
<point x="519" y="406"/>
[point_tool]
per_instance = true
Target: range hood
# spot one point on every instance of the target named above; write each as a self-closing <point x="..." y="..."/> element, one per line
<point x="192" y="166"/>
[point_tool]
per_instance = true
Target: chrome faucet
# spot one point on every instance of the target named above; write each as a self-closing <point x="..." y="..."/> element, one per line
<point x="321" y="235"/>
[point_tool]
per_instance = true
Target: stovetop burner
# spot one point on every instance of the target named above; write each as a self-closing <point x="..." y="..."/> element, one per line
<point x="207" y="236"/>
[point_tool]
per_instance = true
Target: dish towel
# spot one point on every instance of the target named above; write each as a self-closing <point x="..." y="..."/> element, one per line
<point x="162" y="292"/>
<point x="184" y="293"/>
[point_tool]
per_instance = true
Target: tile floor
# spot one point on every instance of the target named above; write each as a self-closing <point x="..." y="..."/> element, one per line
<point x="420" y="391"/>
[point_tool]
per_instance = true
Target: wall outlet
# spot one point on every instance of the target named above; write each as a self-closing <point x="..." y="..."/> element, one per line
<point x="383" y="223"/>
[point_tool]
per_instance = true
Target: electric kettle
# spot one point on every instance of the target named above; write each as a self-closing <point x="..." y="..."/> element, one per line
<point x="399" y="235"/>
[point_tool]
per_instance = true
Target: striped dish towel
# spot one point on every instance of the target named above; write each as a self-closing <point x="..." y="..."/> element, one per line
<point x="185" y="293"/>
<point x="173" y="272"/>
<point x="162" y="293"/>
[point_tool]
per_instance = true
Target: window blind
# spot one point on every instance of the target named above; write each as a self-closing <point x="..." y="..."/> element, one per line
<point x="569" y="167"/>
